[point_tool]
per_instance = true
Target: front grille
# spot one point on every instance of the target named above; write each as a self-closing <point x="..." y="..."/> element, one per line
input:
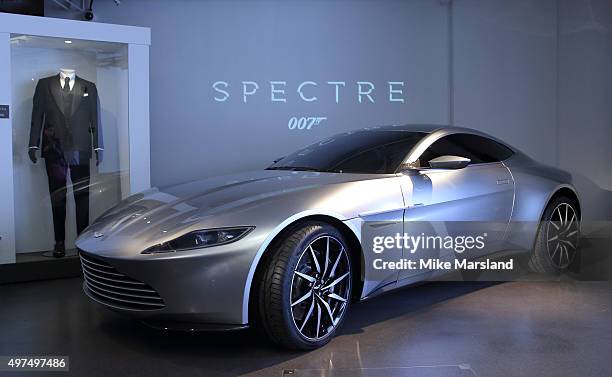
<point x="110" y="287"/>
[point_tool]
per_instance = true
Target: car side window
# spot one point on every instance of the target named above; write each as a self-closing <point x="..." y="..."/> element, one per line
<point x="477" y="148"/>
<point x="489" y="150"/>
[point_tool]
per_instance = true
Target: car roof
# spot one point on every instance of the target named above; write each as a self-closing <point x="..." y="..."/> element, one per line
<point x="424" y="128"/>
<point x="439" y="129"/>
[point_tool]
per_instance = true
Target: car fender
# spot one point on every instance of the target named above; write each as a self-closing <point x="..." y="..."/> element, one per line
<point x="279" y="228"/>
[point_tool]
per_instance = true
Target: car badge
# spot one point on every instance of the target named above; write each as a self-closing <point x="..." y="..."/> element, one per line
<point x="98" y="234"/>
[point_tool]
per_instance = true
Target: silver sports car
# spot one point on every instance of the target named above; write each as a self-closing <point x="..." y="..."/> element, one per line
<point x="285" y="248"/>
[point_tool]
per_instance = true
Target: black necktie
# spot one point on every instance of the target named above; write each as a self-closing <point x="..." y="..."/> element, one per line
<point x="67" y="84"/>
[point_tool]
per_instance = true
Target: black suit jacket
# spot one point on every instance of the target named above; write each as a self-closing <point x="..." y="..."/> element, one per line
<point x="80" y="131"/>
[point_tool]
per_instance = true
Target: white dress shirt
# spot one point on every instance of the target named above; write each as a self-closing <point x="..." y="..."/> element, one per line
<point x="70" y="75"/>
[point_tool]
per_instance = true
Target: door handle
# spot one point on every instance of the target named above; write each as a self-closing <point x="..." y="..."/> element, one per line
<point x="503" y="181"/>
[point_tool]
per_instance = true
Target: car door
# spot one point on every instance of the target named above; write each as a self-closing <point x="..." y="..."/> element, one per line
<point x="474" y="201"/>
<point x="384" y="219"/>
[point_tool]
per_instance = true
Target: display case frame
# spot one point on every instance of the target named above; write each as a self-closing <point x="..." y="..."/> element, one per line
<point x="137" y="40"/>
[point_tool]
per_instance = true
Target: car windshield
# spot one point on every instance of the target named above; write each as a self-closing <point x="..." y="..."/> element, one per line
<point x="364" y="151"/>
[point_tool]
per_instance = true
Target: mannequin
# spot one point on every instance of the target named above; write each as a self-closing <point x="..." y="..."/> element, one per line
<point x="66" y="128"/>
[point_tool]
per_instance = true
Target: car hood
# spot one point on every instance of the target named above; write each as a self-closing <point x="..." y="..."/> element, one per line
<point x="232" y="200"/>
<point x="222" y="194"/>
<point x="236" y="189"/>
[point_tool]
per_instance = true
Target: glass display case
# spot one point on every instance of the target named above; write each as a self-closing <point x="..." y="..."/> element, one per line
<point x="74" y="141"/>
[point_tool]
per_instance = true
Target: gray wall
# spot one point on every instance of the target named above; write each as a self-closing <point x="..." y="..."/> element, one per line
<point x="196" y="43"/>
<point x="505" y="71"/>
<point x="585" y="86"/>
<point x="516" y="69"/>
<point x="585" y="95"/>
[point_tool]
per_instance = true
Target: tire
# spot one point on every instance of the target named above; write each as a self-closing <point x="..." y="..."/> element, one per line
<point x="296" y="281"/>
<point x="558" y="237"/>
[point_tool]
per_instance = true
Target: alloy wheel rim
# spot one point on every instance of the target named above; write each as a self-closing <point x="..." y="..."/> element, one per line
<point x="562" y="235"/>
<point x="320" y="288"/>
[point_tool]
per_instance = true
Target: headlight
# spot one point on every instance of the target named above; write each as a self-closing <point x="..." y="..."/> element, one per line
<point x="201" y="238"/>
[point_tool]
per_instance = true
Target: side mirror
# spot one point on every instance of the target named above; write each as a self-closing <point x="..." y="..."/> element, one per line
<point x="449" y="162"/>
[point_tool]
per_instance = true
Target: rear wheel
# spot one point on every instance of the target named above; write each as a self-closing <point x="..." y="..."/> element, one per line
<point x="305" y="289"/>
<point x="557" y="242"/>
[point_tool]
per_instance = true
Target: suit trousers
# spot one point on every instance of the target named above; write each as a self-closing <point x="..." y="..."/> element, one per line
<point x="57" y="175"/>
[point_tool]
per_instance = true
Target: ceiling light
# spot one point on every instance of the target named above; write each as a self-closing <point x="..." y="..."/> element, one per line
<point x="68" y="41"/>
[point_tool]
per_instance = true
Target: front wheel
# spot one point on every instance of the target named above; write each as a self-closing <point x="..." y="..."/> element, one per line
<point x="558" y="237"/>
<point x="305" y="288"/>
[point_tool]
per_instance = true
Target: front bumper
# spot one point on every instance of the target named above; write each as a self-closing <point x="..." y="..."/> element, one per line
<point x="183" y="292"/>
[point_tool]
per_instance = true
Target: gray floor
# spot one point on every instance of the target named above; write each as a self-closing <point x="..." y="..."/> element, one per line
<point x="438" y="329"/>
